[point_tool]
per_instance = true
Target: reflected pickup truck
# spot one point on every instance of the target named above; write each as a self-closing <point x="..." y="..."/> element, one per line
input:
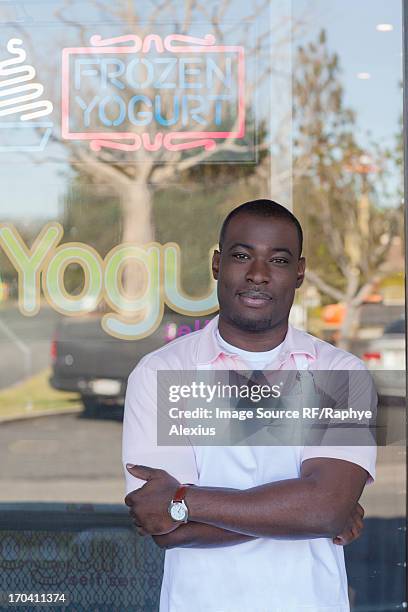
<point x="85" y="359"/>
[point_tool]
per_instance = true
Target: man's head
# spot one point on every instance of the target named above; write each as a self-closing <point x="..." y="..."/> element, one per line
<point x="259" y="265"/>
<point x="262" y="208"/>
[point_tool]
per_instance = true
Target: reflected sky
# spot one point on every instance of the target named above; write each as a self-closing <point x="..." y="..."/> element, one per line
<point x="352" y="33"/>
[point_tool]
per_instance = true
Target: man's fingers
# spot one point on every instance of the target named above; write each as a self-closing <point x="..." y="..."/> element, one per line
<point x="349" y="534"/>
<point x="356" y="519"/>
<point x="351" y="531"/>
<point x="140" y="529"/>
<point x="141" y="471"/>
<point x="345" y="537"/>
<point x="136" y="522"/>
<point x="142" y="532"/>
<point x="128" y="500"/>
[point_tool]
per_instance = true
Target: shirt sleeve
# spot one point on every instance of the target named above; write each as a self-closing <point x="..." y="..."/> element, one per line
<point x="364" y="456"/>
<point x="354" y="442"/>
<point x="139" y="441"/>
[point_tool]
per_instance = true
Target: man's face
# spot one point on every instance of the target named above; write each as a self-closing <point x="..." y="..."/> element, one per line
<point x="258" y="271"/>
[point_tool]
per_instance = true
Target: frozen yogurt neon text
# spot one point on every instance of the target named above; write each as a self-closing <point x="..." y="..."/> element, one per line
<point x="113" y="78"/>
<point x="180" y="92"/>
<point x="42" y="267"/>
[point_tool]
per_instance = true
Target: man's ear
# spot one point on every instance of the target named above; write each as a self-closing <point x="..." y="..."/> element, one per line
<point x="301" y="272"/>
<point x="215" y="265"/>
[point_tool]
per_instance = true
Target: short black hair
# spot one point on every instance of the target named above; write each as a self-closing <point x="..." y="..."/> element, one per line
<point x="263" y="208"/>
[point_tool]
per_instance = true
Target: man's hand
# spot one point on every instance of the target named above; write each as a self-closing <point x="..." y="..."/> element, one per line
<point x="149" y="504"/>
<point x="353" y="528"/>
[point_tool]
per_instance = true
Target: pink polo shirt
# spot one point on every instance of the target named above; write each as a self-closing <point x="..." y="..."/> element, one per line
<point x="257" y="575"/>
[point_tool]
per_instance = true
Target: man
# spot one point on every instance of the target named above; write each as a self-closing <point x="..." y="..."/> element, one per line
<point x="262" y="521"/>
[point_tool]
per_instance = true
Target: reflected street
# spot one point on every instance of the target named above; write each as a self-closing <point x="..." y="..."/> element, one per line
<point x="71" y="459"/>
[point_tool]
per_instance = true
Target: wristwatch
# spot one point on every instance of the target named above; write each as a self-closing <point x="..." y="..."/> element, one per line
<point x="177" y="506"/>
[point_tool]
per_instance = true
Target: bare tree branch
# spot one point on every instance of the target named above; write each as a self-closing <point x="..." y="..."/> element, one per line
<point x="101" y="171"/>
<point x="367" y="288"/>
<point x="315" y="279"/>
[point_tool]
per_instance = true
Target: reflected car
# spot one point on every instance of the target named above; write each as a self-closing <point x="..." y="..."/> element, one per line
<point x="88" y="361"/>
<point x="385" y="358"/>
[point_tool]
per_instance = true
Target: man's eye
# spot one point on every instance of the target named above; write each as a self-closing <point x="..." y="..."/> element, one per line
<point x="280" y="260"/>
<point x="240" y="255"/>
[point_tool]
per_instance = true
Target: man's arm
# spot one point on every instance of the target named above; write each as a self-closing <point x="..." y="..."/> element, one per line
<point x="199" y="535"/>
<point x="317" y="504"/>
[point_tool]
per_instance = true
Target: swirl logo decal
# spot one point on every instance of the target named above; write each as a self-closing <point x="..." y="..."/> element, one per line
<point x="19" y="99"/>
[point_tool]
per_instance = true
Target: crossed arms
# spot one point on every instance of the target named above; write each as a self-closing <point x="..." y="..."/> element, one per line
<point x="321" y="503"/>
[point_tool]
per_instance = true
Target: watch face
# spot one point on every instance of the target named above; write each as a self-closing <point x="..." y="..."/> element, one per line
<point x="178" y="512"/>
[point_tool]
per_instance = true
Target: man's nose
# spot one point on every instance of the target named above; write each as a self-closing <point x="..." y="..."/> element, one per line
<point x="258" y="272"/>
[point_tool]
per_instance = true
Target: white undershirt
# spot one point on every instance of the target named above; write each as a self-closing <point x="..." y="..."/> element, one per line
<point x="256" y="360"/>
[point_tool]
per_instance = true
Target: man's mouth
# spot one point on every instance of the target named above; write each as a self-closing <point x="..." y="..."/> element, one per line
<point x="254" y="298"/>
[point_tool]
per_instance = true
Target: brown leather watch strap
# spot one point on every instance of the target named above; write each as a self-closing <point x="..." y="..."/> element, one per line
<point x="181" y="492"/>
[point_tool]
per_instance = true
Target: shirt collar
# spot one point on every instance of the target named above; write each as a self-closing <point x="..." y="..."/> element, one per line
<point x="296" y="342"/>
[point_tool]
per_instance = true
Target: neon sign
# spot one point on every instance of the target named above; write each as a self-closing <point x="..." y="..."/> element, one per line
<point x="178" y="92"/>
<point x="19" y="97"/>
<point x="43" y="267"/>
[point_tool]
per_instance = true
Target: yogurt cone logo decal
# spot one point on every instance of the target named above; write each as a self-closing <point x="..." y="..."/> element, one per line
<point x="177" y="92"/>
<point x="21" y="99"/>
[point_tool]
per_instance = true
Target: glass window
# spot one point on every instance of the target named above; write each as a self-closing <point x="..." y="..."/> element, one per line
<point x="128" y="131"/>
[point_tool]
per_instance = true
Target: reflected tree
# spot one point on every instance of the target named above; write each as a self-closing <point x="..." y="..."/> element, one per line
<point x="337" y="188"/>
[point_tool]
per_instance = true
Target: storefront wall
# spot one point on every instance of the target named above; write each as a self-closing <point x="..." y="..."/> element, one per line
<point x="128" y="131"/>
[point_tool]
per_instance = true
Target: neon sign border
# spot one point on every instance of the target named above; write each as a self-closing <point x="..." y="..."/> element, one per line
<point x="171" y="140"/>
